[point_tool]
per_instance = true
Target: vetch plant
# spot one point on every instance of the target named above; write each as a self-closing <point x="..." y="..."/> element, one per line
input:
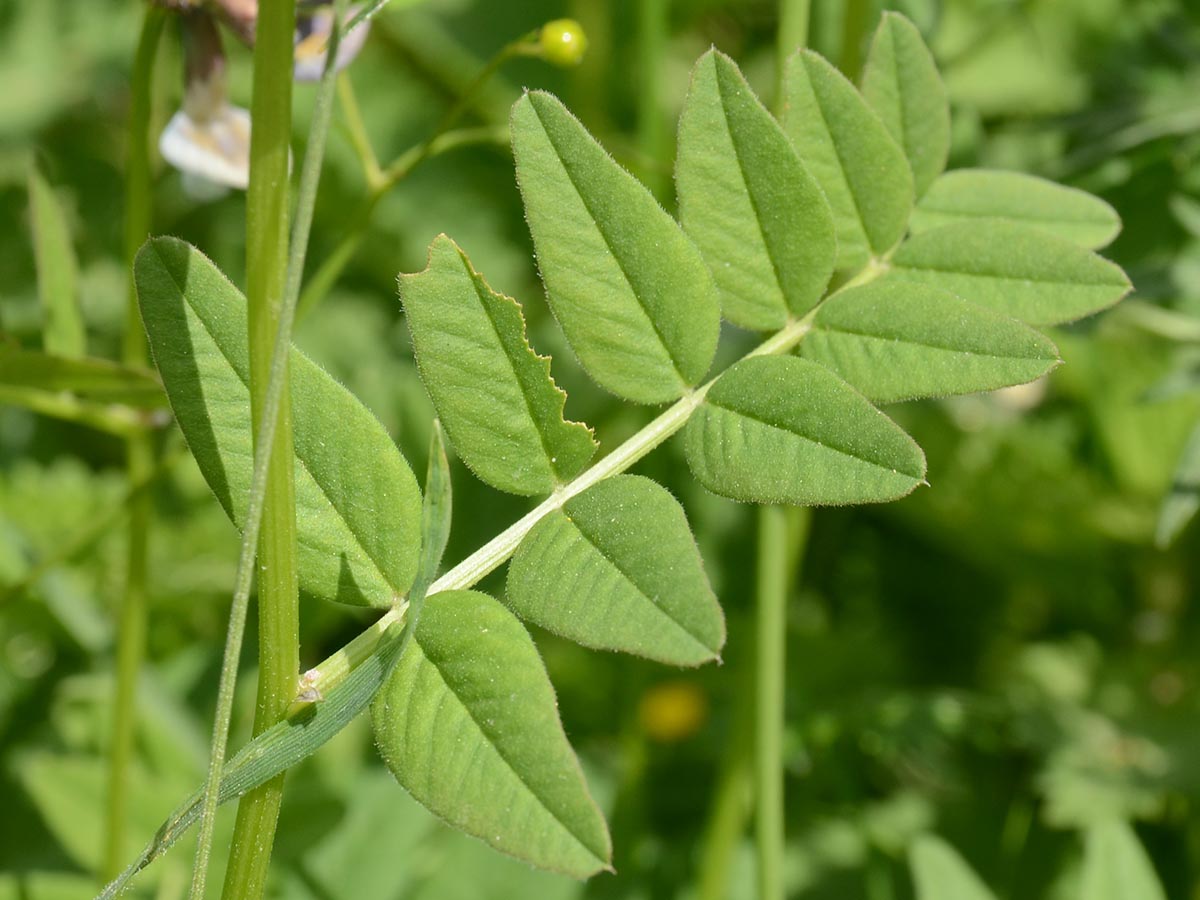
<point x="831" y="231"/>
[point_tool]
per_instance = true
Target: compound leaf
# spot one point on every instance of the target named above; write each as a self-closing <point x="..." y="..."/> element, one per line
<point x="965" y="195"/>
<point x="495" y="396"/>
<point x="1116" y="867"/>
<point x="898" y="341"/>
<point x="901" y="83"/>
<point x="358" y="508"/>
<point x="1021" y="272"/>
<point x="57" y="271"/>
<point x="858" y="165"/>
<point x="589" y="573"/>
<point x="759" y="219"/>
<point x="787" y="430"/>
<point x="939" y="873"/>
<point x="631" y="292"/>
<point x="469" y="725"/>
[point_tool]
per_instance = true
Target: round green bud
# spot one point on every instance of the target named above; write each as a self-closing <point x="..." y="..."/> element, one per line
<point x="563" y="42"/>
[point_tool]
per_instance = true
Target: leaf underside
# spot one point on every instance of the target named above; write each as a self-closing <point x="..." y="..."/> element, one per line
<point x="893" y="340"/>
<point x="858" y="165"/>
<point x="589" y="573"/>
<point x="631" y="292"/>
<point x="787" y="430"/>
<point x="1022" y="272"/>
<point x="902" y="85"/>
<point x="760" y="220"/>
<point x="494" y="395"/>
<point x="967" y="195"/>
<point x="469" y="725"/>
<point x="358" y="508"/>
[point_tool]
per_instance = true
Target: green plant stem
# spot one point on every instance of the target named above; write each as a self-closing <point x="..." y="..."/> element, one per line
<point x="380" y="181"/>
<point x="732" y="803"/>
<point x="139" y="455"/>
<point x="790" y="37"/>
<point x="652" y="24"/>
<point x="309" y="180"/>
<point x="854" y="35"/>
<point x="266" y="276"/>
<point x="769" y="693"/>
<point x="112" y="418"/>
<point x="332" y="266"/>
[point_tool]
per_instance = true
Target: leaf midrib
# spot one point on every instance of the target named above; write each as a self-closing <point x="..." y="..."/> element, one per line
<point x="297" y="456"/>
<point x="848" y="454"/>
<point x="638" y="588"/>
<point x="819" y="326"/>
<point x="683" y="380"/>
<point x="750" y="195"/>
<point x="504" y="759"/>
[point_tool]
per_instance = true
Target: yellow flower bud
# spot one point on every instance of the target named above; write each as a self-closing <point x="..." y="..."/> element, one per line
<point x="563" y="42"/>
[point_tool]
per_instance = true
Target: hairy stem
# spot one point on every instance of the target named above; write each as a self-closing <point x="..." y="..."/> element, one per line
<point x="266" y="275"/>
<point x="139" y="453"/>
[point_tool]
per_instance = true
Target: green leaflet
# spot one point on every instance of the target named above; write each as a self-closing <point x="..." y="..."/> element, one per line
<point x="1116" y="867"/>
<point x="898" y="341"/>
<point x="787" y="430"/>
<point x="858" y="165"/>
<point x="1180" y="505"/>
<point x="495" y="396"/>
<point x="358" y="508"/>
<point x="590" y="573"/>
<point x="469" y="726"/>
<point x="966" y="195"/>
<point x="632" y="293"/>
<point x="758" y="217"/>
<point x="1021" y="272"/>
<point x="57" y="272"/>
<point x="939" y="873"/>
<point x="901" y="83"/>
<point x="96" y="379"/>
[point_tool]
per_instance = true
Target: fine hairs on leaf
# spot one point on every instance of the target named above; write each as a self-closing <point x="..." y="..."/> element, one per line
<point x="804" y="229"/>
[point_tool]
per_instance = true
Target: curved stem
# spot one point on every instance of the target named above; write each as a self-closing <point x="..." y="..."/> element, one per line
<point x="139" y="452"/>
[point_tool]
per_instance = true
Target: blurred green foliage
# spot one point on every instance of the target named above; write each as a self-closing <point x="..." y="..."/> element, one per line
<point x="1004" y="658"/>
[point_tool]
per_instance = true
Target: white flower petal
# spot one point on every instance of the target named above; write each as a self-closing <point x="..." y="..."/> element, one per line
<point x="217" y="150"/>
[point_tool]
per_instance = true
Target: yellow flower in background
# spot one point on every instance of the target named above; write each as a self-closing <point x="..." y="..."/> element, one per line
<point x="672" y="711"/>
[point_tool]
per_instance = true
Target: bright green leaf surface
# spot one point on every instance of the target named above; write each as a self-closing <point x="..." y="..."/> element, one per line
<point x="901" y="83"/>
<point x="758" y="217"/>
<point x="1116" y="867"/>
<point x="898" y="341"/>
<point x="787" y="430"/>
<point x="97" y="379"/>
<point x="588" y="572"/>
<point x="469" y="725"/>
<point x="1021" y="272"/>
<point x="57" y="275"/>
<point x="631" y="292"/>
<point x="971" y="194"/>
<point x="861" y="169"/>
<point x="939" y="873"/>
<point x="495" y="396"/>
<point x="358" y="507"/>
